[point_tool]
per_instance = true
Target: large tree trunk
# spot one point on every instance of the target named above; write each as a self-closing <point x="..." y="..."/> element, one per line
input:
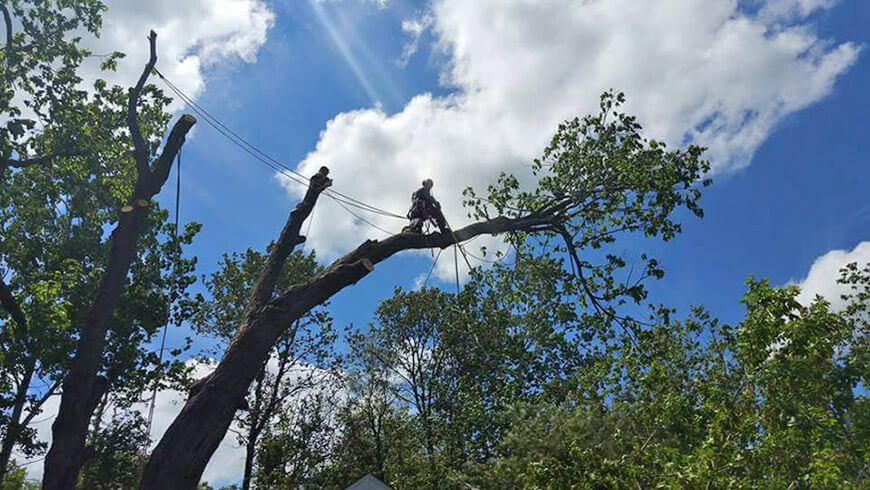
<point x="83" y="386"/>
<point x="182" y="454"/>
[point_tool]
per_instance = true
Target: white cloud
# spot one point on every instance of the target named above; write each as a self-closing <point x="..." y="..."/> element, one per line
<point x="192" y="35"/>
<point x="791" y="9"/>
<point x="822" y="276"/>
<point x="415" y="29"/>
<point x="693" y="70"/>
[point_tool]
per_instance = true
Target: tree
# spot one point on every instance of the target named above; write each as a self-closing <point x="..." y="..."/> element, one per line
<point x="455" y="363"/>
<point x="772" y="402"/>
<point x="301" y="362"/>
<point x="16" y="479"/>
<point x="602" y="179"/>
<point x="293" y="450"/>
<point x="64" y="188"/>
<point x="373" y="434"/>
<point x="83" y="386"/>
<point x="117" y="453"/>
<point x="405" y="344"/>
<point x="37" y="81"/>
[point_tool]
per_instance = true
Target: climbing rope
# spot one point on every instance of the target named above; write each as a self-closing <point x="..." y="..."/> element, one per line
<point x="176" y="252"/>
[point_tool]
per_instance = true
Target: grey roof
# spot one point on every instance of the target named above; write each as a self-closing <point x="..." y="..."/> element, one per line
<point x="369" y="482"/>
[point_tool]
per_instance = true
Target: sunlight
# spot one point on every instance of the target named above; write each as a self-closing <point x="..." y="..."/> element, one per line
<point x="349" y="57"/>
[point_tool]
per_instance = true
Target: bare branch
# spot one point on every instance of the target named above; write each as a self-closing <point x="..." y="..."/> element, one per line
<point x="7" y="18"/>
<point x="140" y="151"/>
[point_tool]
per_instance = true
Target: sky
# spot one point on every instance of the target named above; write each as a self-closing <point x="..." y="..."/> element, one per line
<point x="389" y="92"/>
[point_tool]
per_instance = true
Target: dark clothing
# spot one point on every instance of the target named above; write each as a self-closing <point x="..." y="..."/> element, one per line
<point x="319" y="182"/>
<point x="424" y="207"/>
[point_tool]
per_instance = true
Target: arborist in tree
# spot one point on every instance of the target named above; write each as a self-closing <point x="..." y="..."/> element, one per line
<point x="319" y="182"/>
<point x="424" y="207"/>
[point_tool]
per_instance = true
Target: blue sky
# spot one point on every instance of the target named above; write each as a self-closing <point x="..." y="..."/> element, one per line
<point x="776" y="88"/>
<point x="802" y="194"/>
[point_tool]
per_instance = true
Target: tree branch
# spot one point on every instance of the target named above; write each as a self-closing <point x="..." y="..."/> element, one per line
<point x="358" y="263"/>
<point x="140" y="151"/>
<point x="40" y="160"/>
<point x="10" y="304"/>
<point x="7" y="18"/>
<point x="289" y="238"/>
<point x="36" y="405"/>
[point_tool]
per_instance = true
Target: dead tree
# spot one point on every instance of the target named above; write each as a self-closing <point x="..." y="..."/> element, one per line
<point x="83" y="386"/>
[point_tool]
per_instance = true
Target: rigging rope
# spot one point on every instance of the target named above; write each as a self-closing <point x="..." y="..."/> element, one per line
<point x="176" y="252"/>
<point x="434" y="262"/>
<point x="265" y="158"/>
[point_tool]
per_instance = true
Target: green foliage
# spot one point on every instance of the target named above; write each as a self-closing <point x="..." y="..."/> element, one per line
<point x="39" y="83"/>
<point x="291" y="451"/>
<point x="16" y="479"/>
<point x="283" y="428"/>
<point x="118" y="453"/>
<point x="772" y="403"/>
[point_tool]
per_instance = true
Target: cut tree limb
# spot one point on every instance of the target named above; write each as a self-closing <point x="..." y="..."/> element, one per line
<point x="206" y="422"/>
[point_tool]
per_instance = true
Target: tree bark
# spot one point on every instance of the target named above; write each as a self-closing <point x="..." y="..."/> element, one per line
<point x="182" y="454"/>
<point x="83" y="386"/>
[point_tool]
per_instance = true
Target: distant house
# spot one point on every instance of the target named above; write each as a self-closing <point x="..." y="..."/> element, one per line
<point x="369" y="482"/>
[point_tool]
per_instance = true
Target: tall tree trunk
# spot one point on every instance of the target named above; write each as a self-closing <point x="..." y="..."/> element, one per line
<point x="83" y="386"/>
<point x="13" y="428"/>
<point x="185" y="448"/>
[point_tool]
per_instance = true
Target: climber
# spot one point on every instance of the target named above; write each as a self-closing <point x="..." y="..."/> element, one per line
<point x="319" y="182"/>
<point x="424" y="207"/>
